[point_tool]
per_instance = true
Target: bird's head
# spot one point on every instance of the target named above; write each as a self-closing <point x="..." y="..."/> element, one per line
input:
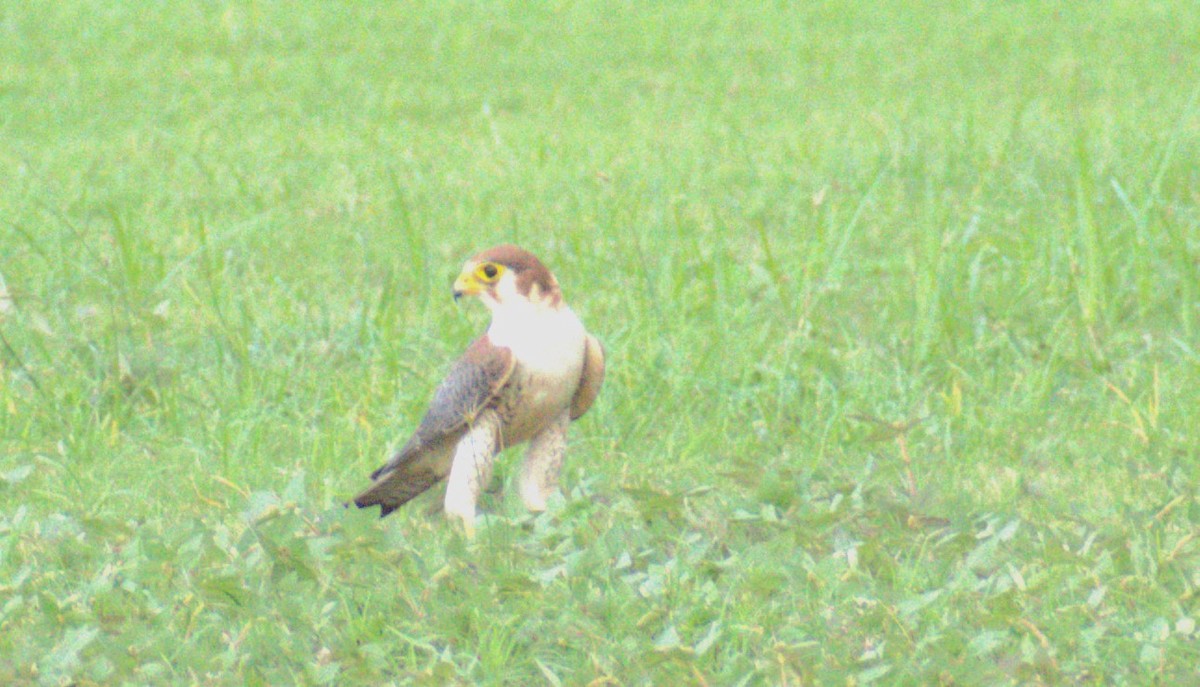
<point x="507" y="276"/>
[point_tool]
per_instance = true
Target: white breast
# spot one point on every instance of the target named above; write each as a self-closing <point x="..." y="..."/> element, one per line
<point x="549" y="347"/>
<point x="550" y="341"/>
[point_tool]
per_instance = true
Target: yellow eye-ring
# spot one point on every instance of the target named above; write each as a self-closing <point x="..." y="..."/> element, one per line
<point x="489" y="272"/>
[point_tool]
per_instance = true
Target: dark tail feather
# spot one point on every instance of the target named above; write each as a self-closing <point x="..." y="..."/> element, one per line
<point x="396" y="488"/>
<point x="384" y="509"/>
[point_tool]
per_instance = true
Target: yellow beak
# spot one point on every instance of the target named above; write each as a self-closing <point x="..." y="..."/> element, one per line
<point x="467" y="285"/>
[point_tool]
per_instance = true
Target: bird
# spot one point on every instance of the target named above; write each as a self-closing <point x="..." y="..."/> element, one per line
<point x="534" y="371"/>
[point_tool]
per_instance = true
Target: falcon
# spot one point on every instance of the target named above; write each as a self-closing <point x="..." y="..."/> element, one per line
<point x="534" y="371"/>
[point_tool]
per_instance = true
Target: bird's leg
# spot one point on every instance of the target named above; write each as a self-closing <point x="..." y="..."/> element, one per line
<point x="471" y="470"/>
<point x="543" y="463"/>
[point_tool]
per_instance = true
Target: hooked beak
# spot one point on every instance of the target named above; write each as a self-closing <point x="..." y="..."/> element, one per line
<point x="466" y="285"/>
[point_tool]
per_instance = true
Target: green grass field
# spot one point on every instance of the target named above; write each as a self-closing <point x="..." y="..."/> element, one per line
<point x="901" y="303"/>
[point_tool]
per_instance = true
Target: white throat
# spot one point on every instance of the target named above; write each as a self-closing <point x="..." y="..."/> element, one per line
<point x="539" y="336"/>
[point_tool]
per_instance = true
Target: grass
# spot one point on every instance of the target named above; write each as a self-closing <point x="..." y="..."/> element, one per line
<point x="900" y="304"/>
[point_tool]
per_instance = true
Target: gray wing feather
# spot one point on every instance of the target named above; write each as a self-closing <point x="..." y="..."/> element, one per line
<point x="472" y="385"/>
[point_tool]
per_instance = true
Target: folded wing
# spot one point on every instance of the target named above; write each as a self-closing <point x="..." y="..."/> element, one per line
<point x="473" y="385"/>
<point x="590" y="380"/>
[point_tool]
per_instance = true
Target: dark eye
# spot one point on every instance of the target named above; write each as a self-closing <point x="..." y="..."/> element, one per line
<point x="490" y="271"/>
